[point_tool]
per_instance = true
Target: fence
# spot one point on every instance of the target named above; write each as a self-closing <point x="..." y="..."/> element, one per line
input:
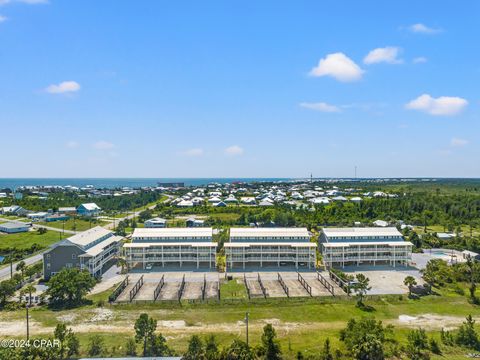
<point x="204" y="287"/>
<point x="118" y="290"/>
<point x="284" y="286"/>
<point x="182" y="287"/>
<point x="326" y="284"/>
<point x="246" y="285"/>
<point x="304" y="284"/>
<point x="136" y="288"/>
<point x="340" y="282"/>
<point x="159" y="288"/>
<point x="264" y="291"/>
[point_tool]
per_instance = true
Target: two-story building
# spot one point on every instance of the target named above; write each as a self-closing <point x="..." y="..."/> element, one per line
<point x="270" y="247"/>
<point x="356" y="246"/>
<point x="152" y="247"/>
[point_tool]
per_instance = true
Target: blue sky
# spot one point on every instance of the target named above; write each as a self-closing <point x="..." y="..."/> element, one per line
<point x="239" y="88"/>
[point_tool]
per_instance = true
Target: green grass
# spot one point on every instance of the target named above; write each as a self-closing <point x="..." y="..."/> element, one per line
<point x="224" y="216"/>
<point x="75" y="225"/>
<point x="27" y="239"/>
<point x="302" y="324"/>
<point x="233" y="289"/>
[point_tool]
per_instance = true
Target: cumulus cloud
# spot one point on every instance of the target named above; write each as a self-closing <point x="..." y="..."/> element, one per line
<point x="442" y="106"/>
<point x="63" y="87"/>
<point x="423" y="29"/>
<point x="338" y="66"/>
<point x="320" y="106"/>
<point x="420" y="60"/>
<point x="234" y="150"/>
<point x="458" y="142"/>
<point x="387" y="55"/>
<point x="194" y="152"/>
<point x="103" y="145"/>
<point x="3" y="18"/>
<point x="72" y="144"/>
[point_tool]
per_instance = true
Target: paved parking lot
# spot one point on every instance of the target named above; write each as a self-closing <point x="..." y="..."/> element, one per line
<point x="386" y="279"/>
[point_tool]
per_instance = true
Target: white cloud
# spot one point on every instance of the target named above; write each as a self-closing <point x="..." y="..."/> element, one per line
<point x="320" y="106"/>
<point x="457" y="142"/>
<point x="387" y="55"/>
<point x="420" y="60"/>
<point x="423" y="29"/>
<point x="30" y="2"/>
<point x="103" y="145"/>
<point x="194" y="152"/>
<point x="234" y="150"/>
<point x="72" y="144"/>
<point x="443" y="105"/>
<point x="63" y="87"/>
<point x="338" y="66"/>
<point x="3" y="18"/>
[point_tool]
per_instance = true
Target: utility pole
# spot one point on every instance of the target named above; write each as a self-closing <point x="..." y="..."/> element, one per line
<point x="28" y="329"/>
<point x="246" y="322"/>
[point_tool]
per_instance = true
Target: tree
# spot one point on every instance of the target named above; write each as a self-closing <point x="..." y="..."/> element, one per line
<point x="369" y="348"/>
<point x="145" y="331"/>
<point x="131" y="347"/>
<point x="29" y="289"/>
<point x="96" y="345"/>
<point x="467" y="336"/>
<point x="417" y="345"/>
<point x="471" y="273"/>
<point x="21" y="266"/>
<point x="410" y="282"/>
<point x="195" y="349"/>
<point x="158" y="347"/>
<point x="7" y="289"/>
<point x="211" y="348"/>
<point x="238" y="350"/>
<point x="271" y="346"/>
<point x="69" y="343"/>
<point x="361" y="287"/>
<point x="326" y="353"/>
<point x="364" y="338"/>
<point x="69" y="286"/>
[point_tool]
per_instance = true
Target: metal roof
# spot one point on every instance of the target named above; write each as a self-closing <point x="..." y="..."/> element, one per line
<point x="169" y="233"/>
<point x="361" y="232"/>
<point x="86" y="237"/>
<point x="356" y="243"/>
<point x="150" y="244"/>
<point x="248" y="244"/>
<point x="14" y="225"/>
<point x="97" y="249"/>
<point x="268" y="232"/>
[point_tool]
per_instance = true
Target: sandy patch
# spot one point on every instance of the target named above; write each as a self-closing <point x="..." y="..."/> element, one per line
<point x="67" y="318"/>
<point x="101" y="314"/>
<point x="429" y="321"/>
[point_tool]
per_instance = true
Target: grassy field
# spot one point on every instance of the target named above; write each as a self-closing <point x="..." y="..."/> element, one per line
<point x="301" y="324"/>
<point x="75" y="225"/>
<point x="233" y="289"/>
<point x="27" y="239"/>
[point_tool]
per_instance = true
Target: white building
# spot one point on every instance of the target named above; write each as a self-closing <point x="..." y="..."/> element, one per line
<point x="171" y="246"/>
<point x="270" y="246"/>
<point x="344" y="246"/>
<point x="13" y="227"/>
<point x="155" y="223"/>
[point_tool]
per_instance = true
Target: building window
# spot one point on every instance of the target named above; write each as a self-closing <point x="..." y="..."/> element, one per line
<point x="74" y="256"/>
<point x="48" y="266"/>
<point x="68" y="265"/>
<point x="48" y="256"/>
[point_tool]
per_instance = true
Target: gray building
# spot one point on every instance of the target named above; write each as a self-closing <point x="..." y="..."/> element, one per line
<point x="90" y="250"/>
<point x="13" y="227"/>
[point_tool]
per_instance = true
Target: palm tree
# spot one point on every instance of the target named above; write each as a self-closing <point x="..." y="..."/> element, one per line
<point x="122" y="263"/>
<point x="21" y="266"/>
<point x="29" y="289"/>
<point x="410" y="282"/>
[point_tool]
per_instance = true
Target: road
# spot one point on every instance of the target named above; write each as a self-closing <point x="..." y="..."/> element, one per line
<point x="5" y="272"/>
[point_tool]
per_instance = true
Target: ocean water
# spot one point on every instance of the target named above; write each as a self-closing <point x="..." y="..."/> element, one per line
<point x="110" y="183"/>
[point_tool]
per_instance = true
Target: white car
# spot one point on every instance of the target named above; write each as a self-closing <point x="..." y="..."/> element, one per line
<point x="149" y="267"/>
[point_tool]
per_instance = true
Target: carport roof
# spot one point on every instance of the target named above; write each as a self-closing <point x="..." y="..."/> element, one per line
<point x="162" y="243"/>
<point x="292" y="244"/>
<point x="354" y="243"/>
<point x="268" y="232"/>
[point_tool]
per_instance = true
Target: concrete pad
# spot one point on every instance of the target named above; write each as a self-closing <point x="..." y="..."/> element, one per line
<point x="192" y="290"/>
<point x="146" y="291"/>
<point x="273" y="288"/>
<point x="169" y="291"/>
<point x="254" y="287"/>
<point x="211" y="292"/>
<point x="295" y="288"/>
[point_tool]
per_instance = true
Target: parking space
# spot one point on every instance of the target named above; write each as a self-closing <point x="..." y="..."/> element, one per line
<point x="386" y="279"/>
